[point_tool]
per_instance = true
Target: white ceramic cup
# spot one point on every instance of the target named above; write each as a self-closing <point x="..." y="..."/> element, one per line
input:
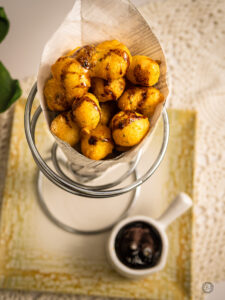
<point x="180" y="204"/>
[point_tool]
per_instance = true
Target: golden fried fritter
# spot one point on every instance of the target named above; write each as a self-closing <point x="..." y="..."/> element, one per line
<point x="98" y="143"/>
<point x="141" y="99"/>
<point x="64" y="127"/>
<point x="129" y="128"/>
<point x="143" y="71"/>
<point x="55" y="96"/>
<point x="72" y="76"/>
<point x="86" y="111"/>
<point x="113" y="59"/>
<point x="107" y="90"/>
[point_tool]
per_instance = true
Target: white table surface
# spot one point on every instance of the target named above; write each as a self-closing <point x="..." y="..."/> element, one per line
<point x="31" y="24"/>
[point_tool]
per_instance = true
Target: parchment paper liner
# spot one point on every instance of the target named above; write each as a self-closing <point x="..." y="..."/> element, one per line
<point x="94" y="21"/>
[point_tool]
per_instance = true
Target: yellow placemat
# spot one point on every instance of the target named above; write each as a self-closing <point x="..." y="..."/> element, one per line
<point x="32" y="260"/>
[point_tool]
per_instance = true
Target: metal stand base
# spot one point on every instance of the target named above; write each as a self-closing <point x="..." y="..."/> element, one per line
<point x="42" y="201"/>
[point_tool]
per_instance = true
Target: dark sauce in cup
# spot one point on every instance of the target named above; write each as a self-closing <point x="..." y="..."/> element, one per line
<point x="138" y="245"/>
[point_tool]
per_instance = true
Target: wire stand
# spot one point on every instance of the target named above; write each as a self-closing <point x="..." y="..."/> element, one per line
<point x="67" y="184"/>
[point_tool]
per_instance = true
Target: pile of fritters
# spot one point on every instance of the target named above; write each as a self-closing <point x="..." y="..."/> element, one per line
<point x="104" y="97"/>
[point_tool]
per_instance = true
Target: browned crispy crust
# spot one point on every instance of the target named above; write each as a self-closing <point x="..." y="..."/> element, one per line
<point x="85" y="56"/>
<point x="131" y="116"/>
<point x="78" y="101"/>
<point x="141" y="76"/>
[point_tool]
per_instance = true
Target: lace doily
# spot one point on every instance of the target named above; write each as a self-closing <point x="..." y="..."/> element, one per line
<point x="192" y="34"/>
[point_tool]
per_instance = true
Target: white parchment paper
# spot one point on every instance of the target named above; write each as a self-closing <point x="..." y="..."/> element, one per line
<point x="94" y="21"/>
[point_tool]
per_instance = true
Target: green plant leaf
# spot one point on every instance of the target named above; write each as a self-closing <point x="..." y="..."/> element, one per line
<point x="10" y="89"/>
<point x="4" y="24"/>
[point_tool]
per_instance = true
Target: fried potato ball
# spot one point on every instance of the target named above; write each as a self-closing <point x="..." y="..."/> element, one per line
<point x="129" y="128"/>
<point x="72" y="76"/>
<point x="107" y="90"/>
<point x="143" y="71"/>
<point x="64" y="127"/>
<point x="55" y="96"/>
<point x="86" y="111"/>
<point x="141" y="99"/>
<point x="98" y="143"/>
<point x="113" y="59"/>
<point x="108" y="110"/>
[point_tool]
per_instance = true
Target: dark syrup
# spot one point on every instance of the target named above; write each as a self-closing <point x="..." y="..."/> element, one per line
<point x="138" y="245"/>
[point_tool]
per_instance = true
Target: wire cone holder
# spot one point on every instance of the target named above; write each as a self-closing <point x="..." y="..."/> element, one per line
<point x="64" y="182"/>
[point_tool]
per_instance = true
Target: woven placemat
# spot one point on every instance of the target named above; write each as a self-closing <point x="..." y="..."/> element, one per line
<point x="32" y="259"/>
<point x="5" y="132"/>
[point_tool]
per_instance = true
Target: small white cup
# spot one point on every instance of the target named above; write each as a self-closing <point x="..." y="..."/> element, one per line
<point x="180" y="204"/>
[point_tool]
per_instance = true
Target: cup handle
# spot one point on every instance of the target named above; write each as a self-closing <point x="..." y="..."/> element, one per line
<point x="180" y="204"/>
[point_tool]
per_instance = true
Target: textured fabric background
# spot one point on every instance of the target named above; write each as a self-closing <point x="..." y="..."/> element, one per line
<point x="192" y="34"/>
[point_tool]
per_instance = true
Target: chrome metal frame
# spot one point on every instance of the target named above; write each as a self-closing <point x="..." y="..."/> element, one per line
<point x="73" y="187"/>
